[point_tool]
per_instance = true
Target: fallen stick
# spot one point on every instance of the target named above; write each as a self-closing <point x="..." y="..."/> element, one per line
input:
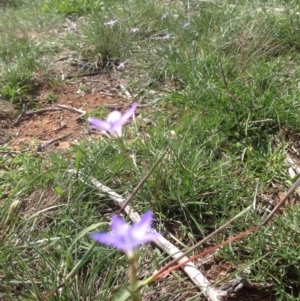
<point x="62" y="126"/>
<point x="125" y="91"/>
<point x="59" y="108"/>
<point x="17" y="121"/>
<point x="48" y="142"/>
<point x="293" y="170"/>
<point x="82" y="112"/>
<point x="190" y="269"/>
<point x="81" y="75"/>
<point x="40" y="111"/>
<point x="24" y="114"/>
<point x="9" y="152"/>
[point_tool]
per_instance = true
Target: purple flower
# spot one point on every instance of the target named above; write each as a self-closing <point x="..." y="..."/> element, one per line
<point x="167" y="36"/>
<point x="113" y="123"/>
<point x="164" y="16"/>
<point x="135" y="29"/>
<point x="125" y="237"/>
<point x="121" y="65"/>
<point x="111" y="23"/>
<point x="186" y="24"/>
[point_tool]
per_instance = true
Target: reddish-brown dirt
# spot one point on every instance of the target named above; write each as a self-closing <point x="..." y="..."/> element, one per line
<point x="30" y="130"/>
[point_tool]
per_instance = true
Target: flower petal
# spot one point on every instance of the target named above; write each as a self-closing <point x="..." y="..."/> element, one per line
<point x="99" y="124"/>
<point x="114" y="117"/>
<point x="128" y="113"/>
<point x="148" y="237"/>
<point x="141" y="230"/>
<point x="104" y="238"/>
<point x="144" y="224"/>
<point x="125" y="237"/>
<point x="118" y="225"/>
<point x="116" y="131"/>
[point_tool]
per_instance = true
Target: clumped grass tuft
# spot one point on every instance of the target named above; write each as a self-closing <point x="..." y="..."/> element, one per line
<point x="71" y="7"/>
<point x="23" y="49"/>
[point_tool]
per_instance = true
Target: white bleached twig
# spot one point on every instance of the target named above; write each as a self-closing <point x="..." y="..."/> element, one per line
<point x="82" y="112"/>
<point x="125" y="91"/>
<point x="190" y="269"/>
<point x="293" y="169"/>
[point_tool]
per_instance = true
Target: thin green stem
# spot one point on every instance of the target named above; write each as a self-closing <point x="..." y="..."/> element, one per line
<point x="141" y="183"/>
<point x="135" y="295"/>
<point x="126" y="154"/>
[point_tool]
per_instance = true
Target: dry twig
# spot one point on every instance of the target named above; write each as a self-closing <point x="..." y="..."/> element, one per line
<point x="125" y="91"/>
<point x="29" y="113"/>
<point x="190" y="269"/>
<point x="82" y="112"/>
<point x="48" y="142"/>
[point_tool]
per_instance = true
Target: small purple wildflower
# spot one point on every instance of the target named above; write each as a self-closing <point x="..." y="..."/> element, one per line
<point x="111" y="23"/>
<point x="186" y="24"/>
<point x="113" y="123"/>
<point x="164" y="16"/>
<point x="122" y="65"/>
<point x="167" y="36"/>
<point x="135" y="29"/>
<point x="125" y="237"/>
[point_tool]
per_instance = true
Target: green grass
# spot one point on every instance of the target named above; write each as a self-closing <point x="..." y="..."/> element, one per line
<point x="220" y="95"/>
<point x="24" y="50"/>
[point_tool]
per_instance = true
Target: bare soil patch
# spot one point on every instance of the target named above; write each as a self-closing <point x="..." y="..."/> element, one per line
<point x="26" y="132"/>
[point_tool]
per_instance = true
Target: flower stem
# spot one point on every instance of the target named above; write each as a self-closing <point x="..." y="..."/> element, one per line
<point x="135" y="295"/>
<point x="126" y="154"/>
